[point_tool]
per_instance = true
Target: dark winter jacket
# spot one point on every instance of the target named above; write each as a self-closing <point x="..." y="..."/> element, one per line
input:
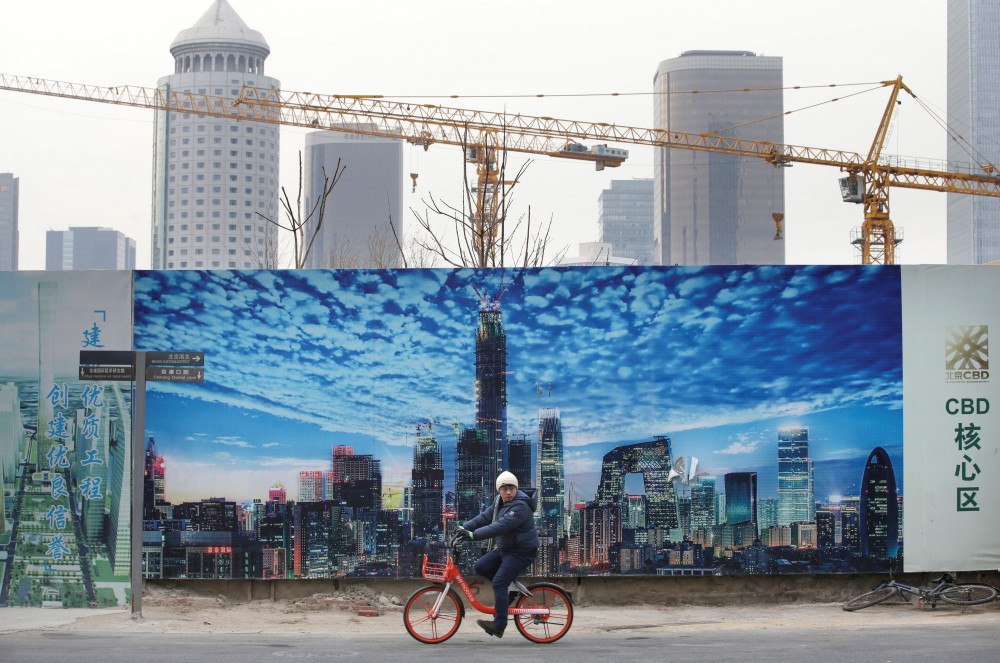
<point x="512" y="524"/>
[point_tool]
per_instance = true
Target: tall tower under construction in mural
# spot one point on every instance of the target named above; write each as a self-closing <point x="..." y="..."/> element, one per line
<point x="491" y="387"/>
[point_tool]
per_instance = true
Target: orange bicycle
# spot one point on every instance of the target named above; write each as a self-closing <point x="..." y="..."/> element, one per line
<point x="542" y="612"/>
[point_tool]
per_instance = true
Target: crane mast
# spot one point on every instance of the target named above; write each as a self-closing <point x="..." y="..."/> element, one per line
<point x="484" y="135"/>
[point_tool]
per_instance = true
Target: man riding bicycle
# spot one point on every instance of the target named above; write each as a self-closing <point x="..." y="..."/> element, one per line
<point x="511" y="522"/>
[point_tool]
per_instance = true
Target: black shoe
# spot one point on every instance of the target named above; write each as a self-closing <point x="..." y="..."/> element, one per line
<point x="490" y="627"/>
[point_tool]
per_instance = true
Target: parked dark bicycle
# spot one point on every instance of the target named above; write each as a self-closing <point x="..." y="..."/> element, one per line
<point x="945" y="589"/>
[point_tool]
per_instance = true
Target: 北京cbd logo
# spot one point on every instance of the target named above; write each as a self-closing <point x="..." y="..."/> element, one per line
<point x="966" y="353"/>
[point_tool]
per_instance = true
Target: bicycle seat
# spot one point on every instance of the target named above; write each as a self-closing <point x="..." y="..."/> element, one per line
<point x="945" y="577"/>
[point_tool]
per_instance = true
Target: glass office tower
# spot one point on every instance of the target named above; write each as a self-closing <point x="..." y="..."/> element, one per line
<point x="795" y="476"/>
<point x="625" y="219"/>
<point x="709" y="208"/>
<point x="973" y="114"/>
<point x="9" y="186"/>
<point x="88" y="248"/>
<point x="355" y="232"/>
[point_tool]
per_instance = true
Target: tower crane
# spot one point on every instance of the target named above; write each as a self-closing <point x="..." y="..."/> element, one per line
<point x="483" y="139"/>
<point x="484" y="135"/>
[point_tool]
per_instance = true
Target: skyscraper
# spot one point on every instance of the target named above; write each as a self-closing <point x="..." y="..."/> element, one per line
<point x="471" y="480"/>
<point x="795" y="476"/>
<point x="741" y="498"/>
<point x="153" y="482"/>
<point x="119" y="516"/>
<point x="709" y="208"/>
<point x="277" y="493"/>
<point x="551" y="484"/>
<point x="625" y="219"/>
<point x="9" y="186"/>
<point x="310" y="486"/>
<point x="95" y="474"/>
<point x="213" y="177"/>
<point x="703" y="503"/>
<point x="652" y="460"/>
<point x="338" y="455"/>
<point x="878" y="512"/>
<point x="973" y="79"/>
<point x="355" y="232"/>
<point x="491" y="388"/>
<point x="88" y="248"/>
<point x="362" y="485"/>
<point x="519" y="458"/>
<point x="826" y="527"/>
<point x="427" y="477"/>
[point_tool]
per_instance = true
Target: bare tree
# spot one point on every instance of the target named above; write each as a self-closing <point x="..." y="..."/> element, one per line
<point x="305" y="227"/>
<point x="480" y="232"/>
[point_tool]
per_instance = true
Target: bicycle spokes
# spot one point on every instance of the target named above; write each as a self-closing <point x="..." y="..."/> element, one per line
<point x="550" y="625"/>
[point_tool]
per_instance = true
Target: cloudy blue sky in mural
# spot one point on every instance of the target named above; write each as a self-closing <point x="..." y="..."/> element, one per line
<point x="716" y="357"/>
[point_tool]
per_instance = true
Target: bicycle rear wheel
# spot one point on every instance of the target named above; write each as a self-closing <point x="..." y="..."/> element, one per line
<point x="424" y="626"/>
<point x="969" y="594"/>
<point x="877" y="595"/>
<point x="544" y="629"/>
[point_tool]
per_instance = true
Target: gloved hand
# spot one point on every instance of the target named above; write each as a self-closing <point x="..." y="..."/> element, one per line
<point x="463" y="535"/>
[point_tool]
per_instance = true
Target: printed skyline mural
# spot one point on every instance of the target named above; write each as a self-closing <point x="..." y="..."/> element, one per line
<point x="717" y="358"/>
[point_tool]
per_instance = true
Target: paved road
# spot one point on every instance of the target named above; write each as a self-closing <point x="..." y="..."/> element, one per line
<point x="939" y="642"/>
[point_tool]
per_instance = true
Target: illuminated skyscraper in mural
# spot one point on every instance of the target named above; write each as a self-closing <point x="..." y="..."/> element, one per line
<point x="878" y="526"/>
<point x="310" y="486"/>
<point x="491" y="387"/>
<point x="337" y="456"/>
<point x="153" y="482"/>
<point x="470" y="474"/>
<point x="551" y="483"/>
<point x="519" y="459"/>
<point x="600" y="529"/>
<point x="652" y="460"/>
<point x="741" y="498"/>
<point x="703" y="503"/>
<point x="362" y="484"/>
<point x="795" y="476"/>
<point x="277" y="493"/>
<point x="427" y="477"/>
<point x="826" y="527"/>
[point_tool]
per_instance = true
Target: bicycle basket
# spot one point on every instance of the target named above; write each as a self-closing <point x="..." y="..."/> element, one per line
<point x="435" y="572"/>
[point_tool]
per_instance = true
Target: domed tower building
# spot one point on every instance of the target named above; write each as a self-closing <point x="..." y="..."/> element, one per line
<point x="215" y="179"/>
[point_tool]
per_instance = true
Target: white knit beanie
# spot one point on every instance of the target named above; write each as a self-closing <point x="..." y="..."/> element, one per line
<point x="506" y="479"/>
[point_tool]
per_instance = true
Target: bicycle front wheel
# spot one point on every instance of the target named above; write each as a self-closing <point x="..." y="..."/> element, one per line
<point x="969" y="594"/>
<point x="427" y="627"/>
<point x="877" y="595"/>
<point x="544" y="629"/>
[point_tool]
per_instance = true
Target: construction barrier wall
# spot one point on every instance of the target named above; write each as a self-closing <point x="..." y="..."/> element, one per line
<point x="668" y="421"/>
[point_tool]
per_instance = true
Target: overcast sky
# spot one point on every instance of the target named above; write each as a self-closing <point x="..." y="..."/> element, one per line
<point x="88" y="164"/>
